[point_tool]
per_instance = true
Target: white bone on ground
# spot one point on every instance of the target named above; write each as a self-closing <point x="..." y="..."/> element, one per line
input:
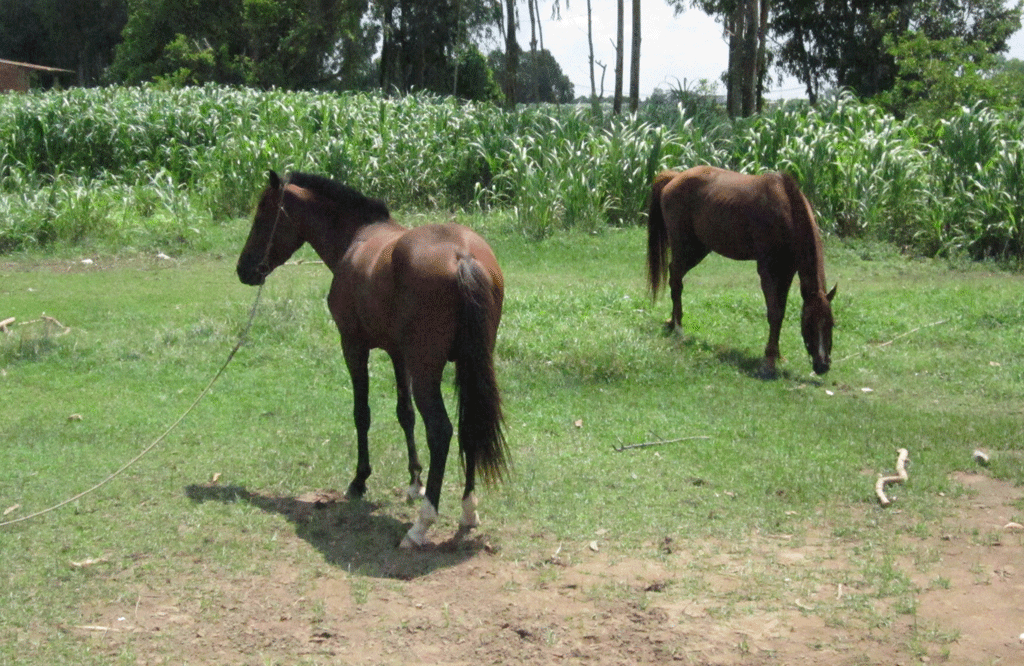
<point x="417" y="534"/>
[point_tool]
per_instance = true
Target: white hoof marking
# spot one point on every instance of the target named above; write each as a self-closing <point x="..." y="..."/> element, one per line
<point x="470" y="518"/>
<point x="415" y="491"/>
<point x="417" y="534"/>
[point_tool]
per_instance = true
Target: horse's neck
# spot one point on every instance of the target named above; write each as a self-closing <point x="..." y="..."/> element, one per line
<point x="329" y="237"/>
<point x="810" y="261"/>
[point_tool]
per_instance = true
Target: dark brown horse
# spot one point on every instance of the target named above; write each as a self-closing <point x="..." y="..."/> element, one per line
<point x="762" y="218"/>
<point x="426" y="296"/>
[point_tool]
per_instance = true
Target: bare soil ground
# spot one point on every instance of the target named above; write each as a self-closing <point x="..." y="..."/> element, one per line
<point x="953" y="593"/>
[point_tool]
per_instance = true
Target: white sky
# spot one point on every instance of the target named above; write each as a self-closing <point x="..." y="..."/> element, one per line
<point x="689" y="47"/>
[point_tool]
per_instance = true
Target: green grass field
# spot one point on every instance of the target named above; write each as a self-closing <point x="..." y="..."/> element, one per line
<point x="927" y="356"/>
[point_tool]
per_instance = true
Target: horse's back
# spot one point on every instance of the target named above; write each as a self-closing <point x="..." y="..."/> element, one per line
<point x="736" y="215"/>
<point x="433" y="251"/>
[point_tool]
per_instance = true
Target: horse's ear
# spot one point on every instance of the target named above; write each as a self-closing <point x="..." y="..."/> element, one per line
<point x="832" y="294"/>
<point x="275" y="180"/>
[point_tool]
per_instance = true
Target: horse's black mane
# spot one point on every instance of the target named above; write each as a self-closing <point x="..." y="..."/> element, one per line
<point x="341" y="194"/>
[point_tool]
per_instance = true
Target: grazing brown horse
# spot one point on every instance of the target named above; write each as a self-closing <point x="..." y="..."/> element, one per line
<point x="426" y="296"/>
<point x="762" y="218"/>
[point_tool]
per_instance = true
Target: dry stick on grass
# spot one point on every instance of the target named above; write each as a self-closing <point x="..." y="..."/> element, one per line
<point x="47" y="319"/>
<point x="901" y="335"/>
<point x="900" y="477"/>
<point x="642" y="445"/>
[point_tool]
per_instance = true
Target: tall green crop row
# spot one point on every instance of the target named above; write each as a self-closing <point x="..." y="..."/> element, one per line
<point x="138" y="165"/>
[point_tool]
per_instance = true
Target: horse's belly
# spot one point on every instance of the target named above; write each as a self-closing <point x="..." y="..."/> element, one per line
<point x="730" y="243"/>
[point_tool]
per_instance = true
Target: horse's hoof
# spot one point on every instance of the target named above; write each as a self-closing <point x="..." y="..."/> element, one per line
<point x="355" y="490"/>
<point x="409" y="544"/>
<point x="415" y="491"/>
<point x="470" y="517"/>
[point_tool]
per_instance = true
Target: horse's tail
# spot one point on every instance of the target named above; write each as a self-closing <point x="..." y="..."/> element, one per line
<point x="481" y="441"/>
<point x="657" y="235"/>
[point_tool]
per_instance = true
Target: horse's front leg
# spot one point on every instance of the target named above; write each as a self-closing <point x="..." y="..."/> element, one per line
<point x="407" y="419"/>
<point x="356" y="359"/>
<point x="775" y="283"/>
<point x="439" y="435"/>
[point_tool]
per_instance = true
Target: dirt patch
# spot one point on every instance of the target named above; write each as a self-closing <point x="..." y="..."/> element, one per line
<point x="953" y="593"/>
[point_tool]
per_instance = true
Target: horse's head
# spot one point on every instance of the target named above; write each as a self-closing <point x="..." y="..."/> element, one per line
<point x="816" y="324"/>
<point x="273" y="237"/>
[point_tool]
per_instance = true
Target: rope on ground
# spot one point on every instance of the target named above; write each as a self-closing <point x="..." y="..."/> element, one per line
<point x="114" y="475"/>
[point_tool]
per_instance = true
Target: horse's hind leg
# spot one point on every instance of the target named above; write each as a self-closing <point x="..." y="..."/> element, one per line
<point x="470" y="518"/>
<point x="407" y="419"/>
<point x="684" y="257"/>
<point x="427" y="394"/>
<point x="357" y="359"/>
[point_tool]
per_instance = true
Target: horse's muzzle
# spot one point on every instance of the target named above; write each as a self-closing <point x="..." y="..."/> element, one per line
<point x="253" y="276"/>
<point x="821" y="367"/>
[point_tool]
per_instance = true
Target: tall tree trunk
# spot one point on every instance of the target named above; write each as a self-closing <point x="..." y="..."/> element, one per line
<point x="590" y="43"/>
<point x="734" y="27"/>
<point x="745" y="57"/>
<point x="634" y="62"/>
<point x="750" y="30"/>
<point x="458" y="48"/>
<point x="762" y="51"/>
<point x="534" y="78"/>
<point x="388" y="52"/>
<point x="533" y="26"/>
<point x="511" y="54"/>
<point x="805" y="62"/>
<point x="540" y="26"/>
<point x="619" y="55"/>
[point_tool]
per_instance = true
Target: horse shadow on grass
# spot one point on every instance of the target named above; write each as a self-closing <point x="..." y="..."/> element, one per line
<point x="751" y="365"/>
<point x="353" y="535"/>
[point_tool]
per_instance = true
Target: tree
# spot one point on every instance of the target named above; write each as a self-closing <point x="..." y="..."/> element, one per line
<point x="590" y="43"/>
<point x="511" y="54"/>
<point x="634" y="68"/>
<point x="844" y="43"/>
<point x="285" y="43"/>
<point x="476" y="79"/>
<point x="539" y="77"/>
<point x="936" y="76"/>
<point x="423" y="42"/>
<point x="1008" y="78"/>
<point x="620" y="49"/>
<point x="745" y="22"/>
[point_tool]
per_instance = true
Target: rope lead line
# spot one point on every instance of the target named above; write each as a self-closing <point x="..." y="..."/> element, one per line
<point x="238" y="345"/>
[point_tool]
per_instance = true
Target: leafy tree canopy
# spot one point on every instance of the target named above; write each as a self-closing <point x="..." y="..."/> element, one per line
<point x="848" y="43"/>
<point x="936" y="76"/>
<point x="539" y="78"/>
<point x="285" y="43"/>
